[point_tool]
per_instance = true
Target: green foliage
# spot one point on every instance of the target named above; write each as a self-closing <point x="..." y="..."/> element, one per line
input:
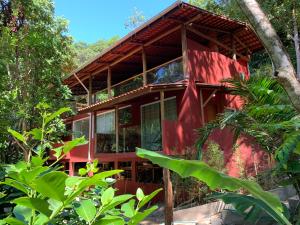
<point x="85" y="52"/>
<point x="48" y="193"/>
<point x="135" y="20"/>
<point x="215" y="179"/>
<point x="35" y="52"/>
<point x="269" y="117"/>
<point x="214" y="156"/>
<point x="252" y="209"/>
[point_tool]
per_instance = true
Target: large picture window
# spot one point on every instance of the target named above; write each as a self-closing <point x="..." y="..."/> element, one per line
<point x="151" y="123"/>
<point x="81" y="128"/>
<point x="105" y="132"/>
<point x="129" y="134"/>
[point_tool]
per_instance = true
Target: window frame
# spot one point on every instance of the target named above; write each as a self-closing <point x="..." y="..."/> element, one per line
<point x="75" y="121"/>
<point x="151" y="103"/>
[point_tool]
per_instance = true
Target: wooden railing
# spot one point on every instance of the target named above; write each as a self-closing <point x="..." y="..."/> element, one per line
<point x="168" y="72"/>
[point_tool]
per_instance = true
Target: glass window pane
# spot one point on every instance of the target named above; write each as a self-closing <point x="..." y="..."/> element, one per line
<point x="125" y="116"/>
<point x="105" y="132"/>
<point x="81" y="128"/>
<point x="170" y="109"/>
<point x="151" y="128"/>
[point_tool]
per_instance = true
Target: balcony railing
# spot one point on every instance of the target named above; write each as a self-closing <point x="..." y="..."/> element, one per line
<point x="127" y="85"/>
<point x="169" y="72"/>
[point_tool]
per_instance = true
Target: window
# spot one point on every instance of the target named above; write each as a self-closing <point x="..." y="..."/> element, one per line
<point x="81" y="128"/>
<point x="129" y="138"/>
<point x="125" y="116"/>
<point x="105" y="132"/>
<point x="106" y="166"/>
<point x="146" y="172"/>
<point x="151" y="123"/>
<point x="170" y="109"/>
<point x="151" y="129"/>
<point x="126" y="167"/>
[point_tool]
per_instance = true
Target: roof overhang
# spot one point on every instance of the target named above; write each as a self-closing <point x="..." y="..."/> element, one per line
<point x="169" y="20"/>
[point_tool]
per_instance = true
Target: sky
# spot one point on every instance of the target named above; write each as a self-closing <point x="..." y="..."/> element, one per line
<point x="91" y="20"/>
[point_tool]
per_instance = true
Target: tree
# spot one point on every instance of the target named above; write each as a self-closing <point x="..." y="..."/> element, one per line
<point x="48" y="194"/>
<point x="84" y="51"/>
<point x="35" y="52"/>
<point x="135" y="20"/>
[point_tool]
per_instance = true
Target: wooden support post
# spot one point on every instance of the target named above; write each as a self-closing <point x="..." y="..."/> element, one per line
<point x="90" y="95"/>
<point x="117" y="127"/>
<point x="144" y="66"/>
<point x="168" y="190"/>
<point x="184" y="52"/>
<point x="210" y="97"/>
<point x="71" y="168"/>
<point x="233" y="48"/>
<point x="95" y="134"/>
<point x="109" y="82"/>
<point x="91" y="135"/>
<point x="133" y="170"/>
<point x="202" y="107"/>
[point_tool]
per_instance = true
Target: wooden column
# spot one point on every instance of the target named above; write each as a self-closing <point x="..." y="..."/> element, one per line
<point x="168" y="190"/>
<point x="144" y="60"/>
<point x="90" y="95"/>
<point x="71" y="168"/>
<point x="109" y="82"/>
<point x="202" y="108"/>
<point x="94" y="150"/>
<point x="233" y="48"/>
<point x="184" y="52"/>
<point x="117" y="127"/>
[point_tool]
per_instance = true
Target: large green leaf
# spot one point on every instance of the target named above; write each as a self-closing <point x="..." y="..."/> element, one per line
<point x="40" y="205"/>
<point x="107" y="196"/>
<point x="17" y="135"/>
<point x="128" y="208"/>
<point x="147" y="198"/>
<point x="56" y="114"/>
<point x="139" y="216"/>
<point x="215" y="179"/>
<point x="86" y="210"/>
<point x="16" y="184"/>
<point x="11" y="221"/>
<point x="68" y="146"/>
<point x="110" y="220"/>
<point x="117" y="200"/>
<point x="83" y="183"/>
<point x="22" y="213"/>
<point x="52" y="185"/>
<point x="251" y="208"/>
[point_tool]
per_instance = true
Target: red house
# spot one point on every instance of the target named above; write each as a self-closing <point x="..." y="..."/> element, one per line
<point x="154" y="87"/>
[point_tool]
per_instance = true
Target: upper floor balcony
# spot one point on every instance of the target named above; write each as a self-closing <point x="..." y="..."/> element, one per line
<point x="166" y="73"/>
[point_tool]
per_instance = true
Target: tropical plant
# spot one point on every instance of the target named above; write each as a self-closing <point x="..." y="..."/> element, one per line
<point x="35" y="52"/>
<point x="48" y="193"/>
<point x="269" y="117"/>
<point x="216" y="180"/>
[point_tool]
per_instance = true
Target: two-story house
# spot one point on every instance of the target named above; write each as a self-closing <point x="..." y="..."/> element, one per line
<point x="154" y="88"/>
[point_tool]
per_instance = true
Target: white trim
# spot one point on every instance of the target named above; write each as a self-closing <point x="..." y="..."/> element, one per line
<point x="151" y="103"/>
<point x="105" y="112"/>
<point x="124" y="107"/>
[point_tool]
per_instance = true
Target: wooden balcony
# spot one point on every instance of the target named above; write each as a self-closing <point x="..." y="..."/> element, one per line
<point x="166" y="73"/>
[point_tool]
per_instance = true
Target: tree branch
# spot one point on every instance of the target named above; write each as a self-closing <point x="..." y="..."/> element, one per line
<point x="284" y="70"/>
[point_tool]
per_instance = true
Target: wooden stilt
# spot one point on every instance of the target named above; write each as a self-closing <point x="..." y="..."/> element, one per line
<point x="168" y="190"/>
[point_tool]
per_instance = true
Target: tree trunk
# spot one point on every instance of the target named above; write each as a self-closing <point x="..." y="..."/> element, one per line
<point x="284" y="70"/>
<point x="296" y="41"/>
